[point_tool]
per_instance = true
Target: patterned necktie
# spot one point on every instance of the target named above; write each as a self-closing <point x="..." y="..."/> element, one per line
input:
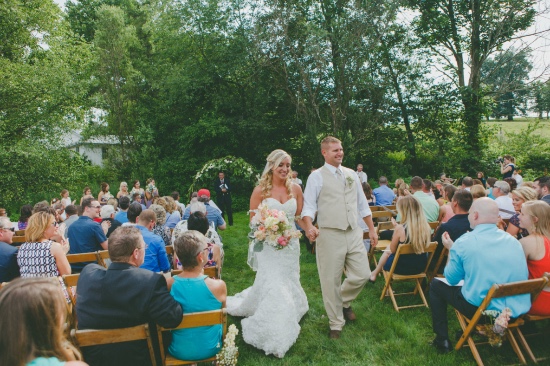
<point x="340" y="177"/>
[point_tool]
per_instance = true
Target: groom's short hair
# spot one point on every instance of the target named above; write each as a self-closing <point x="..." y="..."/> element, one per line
<point x="329" y="140"/>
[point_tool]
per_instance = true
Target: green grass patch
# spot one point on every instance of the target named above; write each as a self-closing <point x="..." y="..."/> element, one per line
<point x="380" y="336"/>
<point x="519" y="124"/>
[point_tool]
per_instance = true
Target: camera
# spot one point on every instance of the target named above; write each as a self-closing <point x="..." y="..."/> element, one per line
<point x="499" y="160"/>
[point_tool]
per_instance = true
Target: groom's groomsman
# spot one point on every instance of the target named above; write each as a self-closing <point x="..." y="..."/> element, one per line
<point x="222" y="186"/>
<point x="335" y="193"/>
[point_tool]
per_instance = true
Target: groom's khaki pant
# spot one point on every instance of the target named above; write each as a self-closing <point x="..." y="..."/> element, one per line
<point x="338" y="250"/>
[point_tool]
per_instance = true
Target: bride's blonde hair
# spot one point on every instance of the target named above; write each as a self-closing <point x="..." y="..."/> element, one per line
<point x="266" y="180"/>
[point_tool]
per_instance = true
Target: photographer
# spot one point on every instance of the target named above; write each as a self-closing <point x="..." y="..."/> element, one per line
<point x="507" y="166"/>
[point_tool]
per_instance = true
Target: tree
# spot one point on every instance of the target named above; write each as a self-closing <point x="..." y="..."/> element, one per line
<point x="505" y="75"/>
<point x="464" y="34"/>
<point x="541" y="97"/>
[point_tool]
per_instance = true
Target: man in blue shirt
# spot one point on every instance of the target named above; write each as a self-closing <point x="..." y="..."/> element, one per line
<point x="156" y="259"/>
<point x="480" y="258"/>
<point x="212" y="214"/>
<point x="8" y="254"/>
<point x="384" y="195"/>
<point x="123" y="204"/>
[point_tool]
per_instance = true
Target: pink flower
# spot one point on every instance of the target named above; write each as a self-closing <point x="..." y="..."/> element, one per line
<point x="282" y="241"/>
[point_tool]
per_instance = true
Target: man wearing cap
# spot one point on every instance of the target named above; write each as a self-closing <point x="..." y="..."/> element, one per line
<point x="212" y="214"/>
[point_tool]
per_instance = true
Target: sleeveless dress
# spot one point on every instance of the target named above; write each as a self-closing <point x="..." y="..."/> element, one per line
<point x="36" y="260"/>
<point x="536" y="268"/>
<point x="276" y="302"/>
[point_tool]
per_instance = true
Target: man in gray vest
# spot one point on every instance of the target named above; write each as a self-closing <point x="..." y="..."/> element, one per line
<point x="335" y="194"/>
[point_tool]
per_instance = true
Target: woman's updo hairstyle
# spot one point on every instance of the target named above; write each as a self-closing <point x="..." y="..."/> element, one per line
<point x="266" y="181"/>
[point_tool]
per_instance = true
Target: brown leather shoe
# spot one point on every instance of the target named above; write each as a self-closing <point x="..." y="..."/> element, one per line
<point x="349" y="314"/>
<point x="334" y="334"/>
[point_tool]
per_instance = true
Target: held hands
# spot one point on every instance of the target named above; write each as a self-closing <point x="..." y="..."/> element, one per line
<point x="312" y="233"/>
<point x="447" y="241"/>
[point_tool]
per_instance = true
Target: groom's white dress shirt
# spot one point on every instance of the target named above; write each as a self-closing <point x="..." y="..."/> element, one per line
<point x="313" y="188"/>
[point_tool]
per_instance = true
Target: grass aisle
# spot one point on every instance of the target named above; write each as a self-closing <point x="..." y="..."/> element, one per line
<point x="379" y="336"/>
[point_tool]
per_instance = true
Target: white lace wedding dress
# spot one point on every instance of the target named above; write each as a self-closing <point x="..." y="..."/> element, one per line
<point x="276" y="302"/>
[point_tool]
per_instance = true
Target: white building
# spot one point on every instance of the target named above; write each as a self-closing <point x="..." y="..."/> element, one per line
<point x="93" y="149"/>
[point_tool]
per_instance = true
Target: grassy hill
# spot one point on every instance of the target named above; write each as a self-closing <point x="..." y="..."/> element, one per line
<point x="519" y="124"/>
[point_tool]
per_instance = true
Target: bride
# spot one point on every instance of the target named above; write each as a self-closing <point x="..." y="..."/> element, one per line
<point x="276" y="302"/>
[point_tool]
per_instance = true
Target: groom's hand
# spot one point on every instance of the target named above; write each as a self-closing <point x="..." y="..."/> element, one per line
<point x="312" y="233"/>
<point x="373" y="238"/>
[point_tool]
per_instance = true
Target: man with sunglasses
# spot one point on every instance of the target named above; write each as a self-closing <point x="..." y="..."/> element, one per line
<point x="8" y="254"/>
<point x="85" y="235"/>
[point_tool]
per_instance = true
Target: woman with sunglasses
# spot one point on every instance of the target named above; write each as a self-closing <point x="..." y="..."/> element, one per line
<point x="40" y="256"/>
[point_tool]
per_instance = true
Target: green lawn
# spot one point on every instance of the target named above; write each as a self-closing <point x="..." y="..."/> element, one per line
<point x="380" y="335"/>
<point x="519" y="124"/>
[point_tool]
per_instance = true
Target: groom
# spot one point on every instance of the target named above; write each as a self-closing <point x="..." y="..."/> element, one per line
<point x="336" y="195"/>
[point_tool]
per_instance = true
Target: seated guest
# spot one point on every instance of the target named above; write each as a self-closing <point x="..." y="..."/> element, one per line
<point x="414" y="230"/>
<point x="427" y="188"/>
<point x="535" y="217"/>
<point x="478" y="191"/>
<point x="123" y="296"/>
<point x="503" y="200"/>
<point x="383" y="195"/>
<point x="198" y="222"/>
<point x="196" y="292"/>
<point x="108" y="214"/>
<point x="467" y="183"/>
<point x="72" y="216"/>
<point x="40" y="256"/>
<point x="214" y="215"/>
<point x="480" y="258"/>
<point x="134" y="211"/>
<point x="481" y="177"/>
<point x="367" y="190"/>
<point x="428" y="203"/>
<point x="446" y="210"/>
<point x="490" y="184"/>
<point x="176" y="196"/>
<point x="85" y="235"/>
<point x="160" y="228"/>
<point x="512" y="183"/>
<point x="458" y="224"/>
<point x="398" y="183"/>
<point x="181" y="227"/>
<point x="519" y="197"/>
<point x="517" y="177"/>
<point x="8" y="253"/>
<point x="25" y="213"/>
<point x="138" y="198"/>
<point x="173" y="215"/>
<point x="156" y="259"/>
<point x="542" y="186"/>
<point x="123" y="205"/>
<point x="32" y="318"/>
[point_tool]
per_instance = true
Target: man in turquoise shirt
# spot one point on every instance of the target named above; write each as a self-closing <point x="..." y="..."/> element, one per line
<point x="480" y="258"/>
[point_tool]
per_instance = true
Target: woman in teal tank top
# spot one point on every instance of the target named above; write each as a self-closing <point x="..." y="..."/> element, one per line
<point x="196" y="292"/>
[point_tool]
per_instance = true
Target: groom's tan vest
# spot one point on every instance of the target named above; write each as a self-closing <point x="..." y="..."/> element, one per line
<point x="337" y="204"/>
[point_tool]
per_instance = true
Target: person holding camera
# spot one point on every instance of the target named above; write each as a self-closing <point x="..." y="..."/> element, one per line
<point x="507" y="166"/>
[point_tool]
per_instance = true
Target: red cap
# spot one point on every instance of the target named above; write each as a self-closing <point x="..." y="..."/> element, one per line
<point x="203" y="192"/>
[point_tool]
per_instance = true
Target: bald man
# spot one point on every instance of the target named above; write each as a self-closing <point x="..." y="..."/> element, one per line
<point x="480" y="258"/>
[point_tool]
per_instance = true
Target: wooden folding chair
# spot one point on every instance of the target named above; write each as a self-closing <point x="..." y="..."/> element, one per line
<point x="193" y="320"/>
<point x="96" y="337"/>
<point x="70" y="282"/>
<point x="382" y="244"/>
<point x="103" y="258"/>
<point x="20" y="232"/>
<point x="391" y="277"/>
<point x="436" y="269"/>
<point x="532" y="318"/>
<point x="169" y="249"/>
<point x="82" y="257"/>
<point x="211" y="272"/>
<point x="18" y="239"/>
<point x="532" y="287"/>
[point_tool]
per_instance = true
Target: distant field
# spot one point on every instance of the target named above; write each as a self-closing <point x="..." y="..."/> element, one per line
<point x="519" y="124"/>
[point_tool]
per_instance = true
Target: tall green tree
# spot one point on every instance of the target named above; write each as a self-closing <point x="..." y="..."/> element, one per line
<point x="464" y="34"/>
<point x="506" y="75"/>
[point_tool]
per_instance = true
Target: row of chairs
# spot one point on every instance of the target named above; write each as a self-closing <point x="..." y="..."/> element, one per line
<point x="95" y="337"/>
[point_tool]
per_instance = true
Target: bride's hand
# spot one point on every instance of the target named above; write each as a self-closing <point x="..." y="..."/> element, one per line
<point x="312" y="233"/>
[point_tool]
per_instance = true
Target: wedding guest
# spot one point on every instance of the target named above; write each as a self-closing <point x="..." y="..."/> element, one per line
<point x="122" y="214"/>
<point x="446" y="210"/>
<point x="160" y="228"/>
<point x="478" y="191"/>
<point x="137" y="198"/>
<point x="150" y="192"/>
<point x="518" y="178"/>
<point x="137" y="189"/>
<point x="196" y="293"/>
<point x="413" y="229"/>
<point x="123" y="190"/>
<point x="504" y="202"/>
<point x="383" y="195"/>
<point x="156" y="259"/>
<point x="134" y="211"/>
<point x="8" y="253"/>
<point x="107" y="213"/>
<point x="176" y="196"/>
<point x="519" y="197"/>
<point x="104" y="195"/>
<point x="72" y="216"/>
<point x="480" y="258"/>
<point x="398" y="183"/>
<point x="490" y="184"/>
<point x="39" y="244"/>
<point x="535" y="217"/>
<point x="361" y="174"/>
<point x="512" y="183"/>
<point x="32" y="318"/>
<point x="542" y="186"/>
<point x="25" y="213"/>
<point x="173" y="215"/>
<point x="481" y="177"/>
<point x="371" y="200"/>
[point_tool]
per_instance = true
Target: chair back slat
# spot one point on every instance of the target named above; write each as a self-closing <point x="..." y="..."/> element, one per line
<point x="82" y="257"/>
<point x="93" y="337"/>
<point x="379" y="214"/>
<point x="18" y="239"/>
<point x="518" y="288"/>
<point x="71" y="280"/>
<point x="169" y="249"/>
<point x="102" y="257"/>
<point x="20" y="232"/>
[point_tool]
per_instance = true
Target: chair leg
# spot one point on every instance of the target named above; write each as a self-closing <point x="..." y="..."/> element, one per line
<point x="392" y="296"/>
<point x="526" y="347"/>
<point x="386" y="284"/>
<point x="421" y="293"/>
<point x="516" y="348"/>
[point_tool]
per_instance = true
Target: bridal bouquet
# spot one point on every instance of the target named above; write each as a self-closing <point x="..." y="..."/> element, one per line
<point x="496" y="328"/>
<point x="271" y="227"/>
